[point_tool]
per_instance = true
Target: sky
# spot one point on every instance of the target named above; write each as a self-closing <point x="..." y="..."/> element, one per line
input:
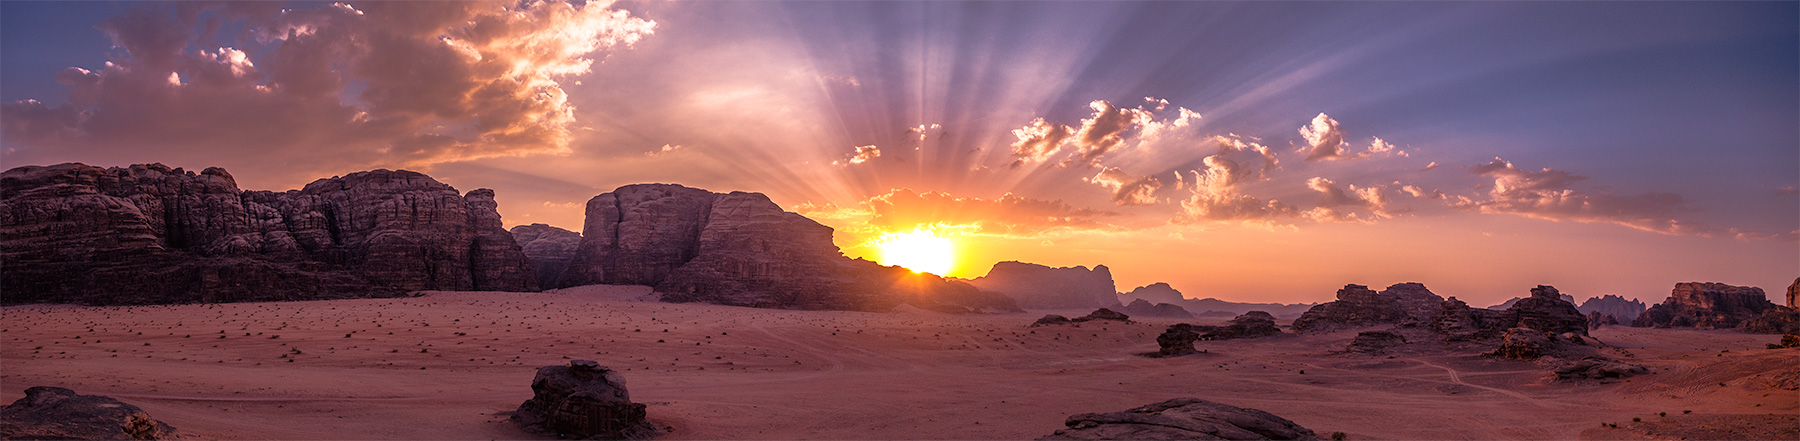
<point x="1266" y="152"/>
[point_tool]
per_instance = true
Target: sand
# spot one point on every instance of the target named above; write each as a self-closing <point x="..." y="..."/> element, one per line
<point x="452" y="365"/>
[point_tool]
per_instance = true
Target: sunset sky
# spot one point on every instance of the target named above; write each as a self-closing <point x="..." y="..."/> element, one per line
<point x="1244" y="151"/>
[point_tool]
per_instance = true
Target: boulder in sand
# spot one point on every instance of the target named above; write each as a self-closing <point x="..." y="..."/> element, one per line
<point x="58" y="413"/>
<point x="583" y="400"/>
<point x="1182" y="419"/>
<point x="1176" y="341"/>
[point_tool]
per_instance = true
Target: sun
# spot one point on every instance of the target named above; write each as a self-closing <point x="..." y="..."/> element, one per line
<point x="918" y="250"/>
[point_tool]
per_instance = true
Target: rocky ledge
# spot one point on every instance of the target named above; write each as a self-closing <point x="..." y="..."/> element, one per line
<point x="149" y="234"/>
<point x="58" y="413"/>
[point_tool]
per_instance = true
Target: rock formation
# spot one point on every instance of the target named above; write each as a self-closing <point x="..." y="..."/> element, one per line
<point x="1177" y="340"/>
<point x="1163" y="293"/>
<point x="1706" y="306"/>
<point x="1548" y="311"/>
<point x="742" y="249"/>
<point x="1143" y="308"/>
<point x="550" y="249"/>
<point x="58" y="413"/>
<point x="148" y="234"/>
<point x="1098" y="314"/>
<point x="1041" y="287"/>
<point x="1253" y="324"/>
<point x="1051" y="319"/>
<point x="1358" y="305"/>
<point x="583" y="401"/>
<point x="1598" y="368"/>
<point x="1618" y="307"/>
<point x="1794" y="294"/>
<point x="1509" y="302"/>
<point x="1597" y="319"/>
<point x="1777" y="320"/>
<point x="1182" y="419"/>
<point x="1787" y="341"/>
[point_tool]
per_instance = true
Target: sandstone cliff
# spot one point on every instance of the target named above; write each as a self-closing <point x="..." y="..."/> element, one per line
<point x="742" y="249"/>
<point x="550" y="249"/>
<point x="144" y="234"/>
<point x="1041" y="287"/>
<point x="1619" y="308"/>
<point x="1706" y="306"/>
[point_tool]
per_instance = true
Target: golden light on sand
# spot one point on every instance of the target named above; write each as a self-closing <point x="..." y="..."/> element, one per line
<point x="918" y="250"/>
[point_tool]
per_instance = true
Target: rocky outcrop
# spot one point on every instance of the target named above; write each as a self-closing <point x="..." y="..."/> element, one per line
<point x="1787" y="341"/>
<point x="1041" y="287"/>
<point x="1253" y="324"/>
<point x="1597" y="368"/>
<point x="1777" y="320"/>
<point x="742" y="249"/>
<point x="148" y="234"/>
<point x="1457" y="322"/>
<point x="1163" y="293"/>
<point x="1358" y="305"/>
<point x="1509" y="302"/>
<point x="550" y="250"/>
<point x="1547" y="310"/>
<point x="1098" y="314"/>
<point x="582" y="401"/>
<point x="1140" y="307"/>
<point x="1619" y="308"/>
<point x="1793" y="293"/>
<point x="1706" y="306"/>
<point x="1051" y="319"/>
<point x="1182" y="419"/>
<point x="1597" y="319"/>
<point x="1177" y="340"/>
<point x="58" y="413"/>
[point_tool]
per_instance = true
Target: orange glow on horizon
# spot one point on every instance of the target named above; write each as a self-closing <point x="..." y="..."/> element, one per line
<point x="919" y="250"/>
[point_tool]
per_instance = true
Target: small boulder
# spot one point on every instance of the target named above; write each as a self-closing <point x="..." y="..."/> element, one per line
<point x="1182" y="419"/>
<point x="58" y="413"/>
<point x="1177" y="340"/>
<point x="1374" y="341"/>
<point x="583" y="400"/>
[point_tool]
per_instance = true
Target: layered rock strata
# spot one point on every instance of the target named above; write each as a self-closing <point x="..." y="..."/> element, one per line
<point x="149" y="234"/>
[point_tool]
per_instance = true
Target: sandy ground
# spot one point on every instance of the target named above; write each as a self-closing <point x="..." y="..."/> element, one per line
<point x="452" y="365"/>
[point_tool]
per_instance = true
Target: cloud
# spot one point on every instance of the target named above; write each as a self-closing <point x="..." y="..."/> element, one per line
<point x="1333" y="200"/>
<point x="1325" y="140"/>
<point x="392" y="84"/>
<point x="1429" y="167"/>
<point x="1232" y="142"/>
<point x="1417" y="192"/>
<point x="1038" y="141"/>
<point x="1128" y="189"/>
<point x="1011" y="215"/>
<point x="1105" y="131"/>
<point x="1546" y="194"/>
<point x="1216" y="196"/>
<point x="864" y="154"/>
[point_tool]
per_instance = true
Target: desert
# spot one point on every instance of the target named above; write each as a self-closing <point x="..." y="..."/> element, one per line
<point x="451" y="365"/>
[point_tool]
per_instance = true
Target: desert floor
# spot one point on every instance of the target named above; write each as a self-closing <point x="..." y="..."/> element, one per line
<point x="452" y="365"/>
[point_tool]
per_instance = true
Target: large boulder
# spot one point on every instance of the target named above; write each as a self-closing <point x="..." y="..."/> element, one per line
<point x="583" y="401"/>
<point x="58" y="413"/>
<point x="1182" y="419"/>
<point x="1706" y="306"/>
<point x="1041" y="287"/>
<point x="1177" y="340"/>
<point x="1253" y="324"/>
<point x="149" y="234"/>
<point x="550" y="250"/>
<point x="1357" y="305"/>
<point x="742" y="249"/>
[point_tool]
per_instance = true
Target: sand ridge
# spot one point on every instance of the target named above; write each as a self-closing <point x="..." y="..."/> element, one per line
<point x="450" y="365"/>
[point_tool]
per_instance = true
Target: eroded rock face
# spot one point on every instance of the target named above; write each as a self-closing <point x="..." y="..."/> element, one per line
<point x="1547" y="310"/>
<point x="1358" y="305"/>
<point x="583" y="401"/>
<point x="1457" y="322"/>
<point x="58" y="413"/>
<point x="742" y="249"/>
<point x="1706" y="306"/>
<point x="147" y="234"/>
<point x="1182" y="419"/>
<point x="550" y="250"/>
<point x="1041" y="287"/>
<point x="1140" y="307"/>
<point x="1777" y="320"/>
<point x="1793" y="293"/>
<point x="1596" y="320"/>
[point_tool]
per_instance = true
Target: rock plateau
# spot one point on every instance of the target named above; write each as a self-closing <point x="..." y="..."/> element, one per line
<point x="149" y="234"/>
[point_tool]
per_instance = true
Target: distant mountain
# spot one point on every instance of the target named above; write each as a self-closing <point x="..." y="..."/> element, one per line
<point x="1619" y="307"/>
<point x="1041" y="287"/>
<point x="1209" y="307"/>
<point x="1142" y="308"/>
